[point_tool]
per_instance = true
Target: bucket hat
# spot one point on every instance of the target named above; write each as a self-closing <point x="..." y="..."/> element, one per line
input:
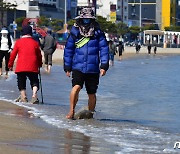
<point x="4" y="31"/>
<point x="86" y="12"/>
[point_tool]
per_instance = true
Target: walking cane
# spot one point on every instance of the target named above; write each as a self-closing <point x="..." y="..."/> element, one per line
<point x="41" y="86"/>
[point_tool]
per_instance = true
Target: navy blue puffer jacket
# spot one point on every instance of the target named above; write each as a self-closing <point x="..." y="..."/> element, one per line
<point x="90" y="57"/>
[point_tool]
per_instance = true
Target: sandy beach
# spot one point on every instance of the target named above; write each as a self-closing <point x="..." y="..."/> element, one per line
<point x="23" y="133"/>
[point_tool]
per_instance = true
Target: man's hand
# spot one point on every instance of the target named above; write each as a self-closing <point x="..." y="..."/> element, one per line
<point x="102" y="72"/>
<point x="68" y="74"/>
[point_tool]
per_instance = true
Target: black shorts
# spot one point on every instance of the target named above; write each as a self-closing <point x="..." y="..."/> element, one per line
<point x="91" y="80"/>
<point x="21" y="80"/>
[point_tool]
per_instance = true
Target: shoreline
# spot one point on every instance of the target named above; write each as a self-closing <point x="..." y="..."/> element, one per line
<point x="128" y="53"/>
<point x="23" y="133"/>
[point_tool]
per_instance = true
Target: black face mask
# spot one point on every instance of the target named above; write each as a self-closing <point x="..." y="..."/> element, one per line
<point x="86" y="21"/>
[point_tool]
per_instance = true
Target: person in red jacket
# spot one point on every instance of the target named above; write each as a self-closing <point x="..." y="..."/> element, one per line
<point x="29" y="61"/>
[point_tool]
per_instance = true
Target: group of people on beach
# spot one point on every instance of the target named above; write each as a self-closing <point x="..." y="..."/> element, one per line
<point x="115" y="48"/>
<point x="29" y="60"/>
<point x="149" y="49"/>
<point x="86" y="58"/>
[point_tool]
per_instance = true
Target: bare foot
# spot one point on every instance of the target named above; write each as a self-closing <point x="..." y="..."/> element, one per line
<point x="70" y="115"/>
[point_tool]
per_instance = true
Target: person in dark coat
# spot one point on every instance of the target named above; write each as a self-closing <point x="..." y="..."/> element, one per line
<point x="155" y="49"/>
<point x="149" y="49"/>
<point x="120" y="49"/>
<point x="86" y="55"/>
<point x="112" y="52"/>
<point x="48" y="46"/>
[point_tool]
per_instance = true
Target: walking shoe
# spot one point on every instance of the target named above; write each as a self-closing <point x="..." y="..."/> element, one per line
<point x="35" y="100"/>
<point x="19" y="99"/>
<point x="25" y="100"/>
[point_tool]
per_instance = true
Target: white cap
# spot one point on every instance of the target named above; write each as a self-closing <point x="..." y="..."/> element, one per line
<point x="4" y="31"/>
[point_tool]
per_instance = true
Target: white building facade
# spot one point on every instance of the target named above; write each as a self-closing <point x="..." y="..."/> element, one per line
<point x="48" y="8"/>
<point x="122" y="11"/>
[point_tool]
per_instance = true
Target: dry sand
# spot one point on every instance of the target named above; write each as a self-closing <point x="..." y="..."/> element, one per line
<point x="21" y="133"/>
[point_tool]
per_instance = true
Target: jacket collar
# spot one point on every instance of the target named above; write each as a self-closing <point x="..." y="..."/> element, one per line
<point x="26" y="36"/>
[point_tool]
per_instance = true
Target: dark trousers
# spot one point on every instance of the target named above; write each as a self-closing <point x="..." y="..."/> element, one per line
<point x="48" y="58"/>
<point x="5" y="54"/>
<point x="22" y="77"/>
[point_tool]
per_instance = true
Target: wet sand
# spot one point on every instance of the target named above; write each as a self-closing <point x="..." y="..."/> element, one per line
<point x="22" y="133"/>
<point x="16" y="126"/>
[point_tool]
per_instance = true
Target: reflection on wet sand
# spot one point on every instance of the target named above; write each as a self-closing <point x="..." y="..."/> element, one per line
<point x="75" y="142"/>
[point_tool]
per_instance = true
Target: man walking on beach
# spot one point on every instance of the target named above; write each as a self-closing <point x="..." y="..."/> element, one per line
<point x="48" y="46"/>
<point x="85" y="50"/>
<point x="28" y="63"/>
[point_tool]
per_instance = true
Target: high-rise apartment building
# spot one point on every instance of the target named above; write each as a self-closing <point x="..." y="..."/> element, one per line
<point x="48" y="8"/>
<point x="122" y="11"/>
<point x="148" y="12"/>
<point x="163" y="15"/>
<point x="175" y="13"/>
<point x="168" y="13"/>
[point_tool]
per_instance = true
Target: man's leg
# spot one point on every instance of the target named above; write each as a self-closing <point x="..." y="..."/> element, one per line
<point x="1" y="60"/>
<point x="34" y="82"/>
<point x="21" y="80"/>
<point x="46" y="61"/>
<point x="23" y="93"/>
<point x="73" y="101"/>
<point x="91" y="83"/>
<point x="34" y="89"/>
<point x="7" y="56"/>
<point x="92" y="102"/>
<point x="49" y="62"/>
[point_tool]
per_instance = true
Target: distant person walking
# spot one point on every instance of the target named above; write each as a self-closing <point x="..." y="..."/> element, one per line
<point x="149" y="49"/>
<point x="155" y="49"/>
<point x="29" y="61"/>
<point x="6" y="46"/>
<point x="120" y="49"/>
<point x="112" y="52"/>
<point x="48" y="46"/>
<point x="138" y="47"/>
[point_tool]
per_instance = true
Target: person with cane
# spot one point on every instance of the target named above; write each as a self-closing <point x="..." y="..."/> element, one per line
<point x="28" y="63"/>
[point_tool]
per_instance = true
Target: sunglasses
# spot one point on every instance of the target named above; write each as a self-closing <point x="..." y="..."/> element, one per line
<point x="86" y="21"/>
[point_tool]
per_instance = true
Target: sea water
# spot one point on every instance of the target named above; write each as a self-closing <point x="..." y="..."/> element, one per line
<point x="138" y="104"/>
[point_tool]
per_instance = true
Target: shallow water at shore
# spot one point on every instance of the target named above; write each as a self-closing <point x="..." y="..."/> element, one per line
<point x="137" y="104"/>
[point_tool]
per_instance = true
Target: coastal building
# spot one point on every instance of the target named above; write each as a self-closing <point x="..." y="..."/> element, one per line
<point x="148" y="12"/>
<point x="175" y="13"/>
<point x="163" y="17"/>
<point x="51" y="9"/>
<point x="168" y="13"/>
<point x="122" y="11"/>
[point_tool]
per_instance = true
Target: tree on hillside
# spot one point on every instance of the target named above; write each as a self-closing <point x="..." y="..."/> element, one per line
<point x="134" y="30"/>
<point x="149" y="27"/>
<point x="71" y="23"/>
<point x="19" y="22"/>
<point x="173" y="28"/>
<point x="55" y="24"/>
<point x="122" y="28"/>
